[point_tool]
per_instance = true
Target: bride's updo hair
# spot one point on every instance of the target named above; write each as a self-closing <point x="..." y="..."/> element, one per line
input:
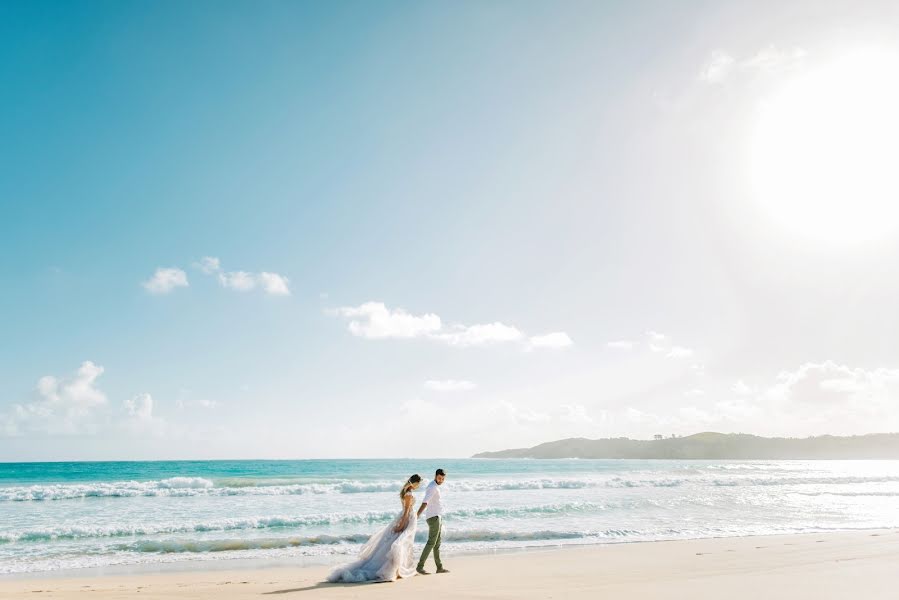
<point x="408" y="485"/>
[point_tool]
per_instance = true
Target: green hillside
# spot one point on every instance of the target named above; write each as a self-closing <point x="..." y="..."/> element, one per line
<point x="711" y="445"/>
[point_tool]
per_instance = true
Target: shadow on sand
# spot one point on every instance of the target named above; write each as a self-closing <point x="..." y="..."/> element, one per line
<point x="323" y="585"/>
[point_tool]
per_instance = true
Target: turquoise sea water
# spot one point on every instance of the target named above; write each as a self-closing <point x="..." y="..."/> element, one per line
<point x="68" y="515"/>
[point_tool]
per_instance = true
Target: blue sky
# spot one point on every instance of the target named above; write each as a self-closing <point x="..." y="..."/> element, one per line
<point x="576" y="169"/>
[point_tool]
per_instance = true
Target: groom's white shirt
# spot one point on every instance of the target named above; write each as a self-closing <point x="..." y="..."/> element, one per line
<point x="434" y="507"/>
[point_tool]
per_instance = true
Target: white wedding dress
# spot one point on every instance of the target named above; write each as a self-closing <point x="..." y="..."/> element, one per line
<point x="386" y="555"/>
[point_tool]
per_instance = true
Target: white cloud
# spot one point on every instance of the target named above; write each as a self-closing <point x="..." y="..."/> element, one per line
<point x="466" y="425"/>
<point x="140" y="419"/>
<point x="164" y="280"/>
<point x="274" y="284"/>
<point x="187" y="399"/>
<point x="831" y="384"/>
<point x="721" y="66"/>
<point x="679" y="352"/>
<point x="61" y="405"/>
<point x="661" y="343"/>
<point x="449" y="385"/>
<point x="635" y="415"/>
<point x="658" y="342"/>
<point x="373" y="320"/>
<point x="621" y="344"/>
<point x="76" y="392"/>
<point x="718" y="67"/>
<point x="478" y="335"/>
<point x="8" y="426"/>
<point x="74" y="405"/>
<point x="740" y="388"/>
<point x="558" y="339"/>
<point x="244" y="281"/>
<point x="182" y="403"/>
<point x="772" y="58"/>
<point x="827" y="397"/>
<point x="699" y="417"/>
<point x="241" y="281"/>
<point x="576" y="413"/>
<point x="520" y="414"/>
<point x="140" y="407"/>
<point x="814" y="399"/>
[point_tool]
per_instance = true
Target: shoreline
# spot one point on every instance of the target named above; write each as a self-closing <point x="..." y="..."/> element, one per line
<point x="311" y="561"/>
<point x="828" y="565"/>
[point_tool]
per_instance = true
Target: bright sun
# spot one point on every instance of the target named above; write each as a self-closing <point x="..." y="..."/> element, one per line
<point x="825" y="154"/>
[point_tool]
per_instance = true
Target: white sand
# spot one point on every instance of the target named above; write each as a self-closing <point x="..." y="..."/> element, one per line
<point x="837" y="565"/>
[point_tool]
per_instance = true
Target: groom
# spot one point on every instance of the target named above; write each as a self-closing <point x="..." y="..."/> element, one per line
<point x="433" y="510"/>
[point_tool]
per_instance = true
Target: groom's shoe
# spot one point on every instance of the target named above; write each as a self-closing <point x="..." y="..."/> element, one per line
<point x="421" y="571"/>
<point x="442" y="570"/>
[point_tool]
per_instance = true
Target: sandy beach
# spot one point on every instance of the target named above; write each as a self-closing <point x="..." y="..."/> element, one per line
<point x="834" y="565"/>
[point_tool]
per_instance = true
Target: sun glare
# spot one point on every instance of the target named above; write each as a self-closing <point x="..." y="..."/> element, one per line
<point x="825" y="154"/>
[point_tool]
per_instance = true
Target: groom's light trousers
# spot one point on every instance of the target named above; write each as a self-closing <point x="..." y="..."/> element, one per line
<point x="435" y="528"/>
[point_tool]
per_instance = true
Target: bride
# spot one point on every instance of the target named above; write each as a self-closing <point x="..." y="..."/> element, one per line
<point x="388" y="554"/>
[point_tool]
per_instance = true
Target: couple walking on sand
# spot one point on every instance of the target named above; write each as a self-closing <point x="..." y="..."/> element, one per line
<point x="389" y="554"/>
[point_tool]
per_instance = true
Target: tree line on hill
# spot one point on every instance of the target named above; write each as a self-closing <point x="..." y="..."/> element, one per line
<point x="713" y="446"/>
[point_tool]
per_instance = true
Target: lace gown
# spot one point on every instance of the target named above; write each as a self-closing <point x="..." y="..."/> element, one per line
<point x="386" y="555"/>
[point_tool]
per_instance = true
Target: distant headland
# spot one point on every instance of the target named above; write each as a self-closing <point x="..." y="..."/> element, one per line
<point x="711" y="445"/>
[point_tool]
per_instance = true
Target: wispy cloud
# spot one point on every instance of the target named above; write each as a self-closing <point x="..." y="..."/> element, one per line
<point x="374" y="320"/>
<point x="199" y="403"/>
<point x="740" y="388"/>
<point x="661" y="343"/>
<point x="187" y="399"/>
<point x="621" y="344"/>
<point x="722" y="66"/>
<point x="209" y="265"/>
<point x="139" y="418"/>
<point x="814" y="399"/>
<point x="164" y="280"/>
<point x="140" y="407"/>
<point x="772" y="59"/>
<point x="574" y="413"/>
<point x="679" y="352"/>
<point x="449" y="385"/>
<point x="557" y="339"/>
<point x="657" y="342"/>
<point x="479" y="335"/>
<point x="718" y="67"/>
<point x="273" y="284"/>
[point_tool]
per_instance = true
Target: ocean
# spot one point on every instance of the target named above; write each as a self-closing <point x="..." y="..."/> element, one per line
<point x="59" y="516"/>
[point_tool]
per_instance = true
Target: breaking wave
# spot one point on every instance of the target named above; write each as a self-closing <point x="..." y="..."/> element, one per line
<point x="278" y="522"/>
<point x="199" y="486"/>
<point x="475" y="535"/>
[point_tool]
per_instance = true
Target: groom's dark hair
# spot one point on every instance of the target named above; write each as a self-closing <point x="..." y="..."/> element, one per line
<point x="439" y="473"/>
